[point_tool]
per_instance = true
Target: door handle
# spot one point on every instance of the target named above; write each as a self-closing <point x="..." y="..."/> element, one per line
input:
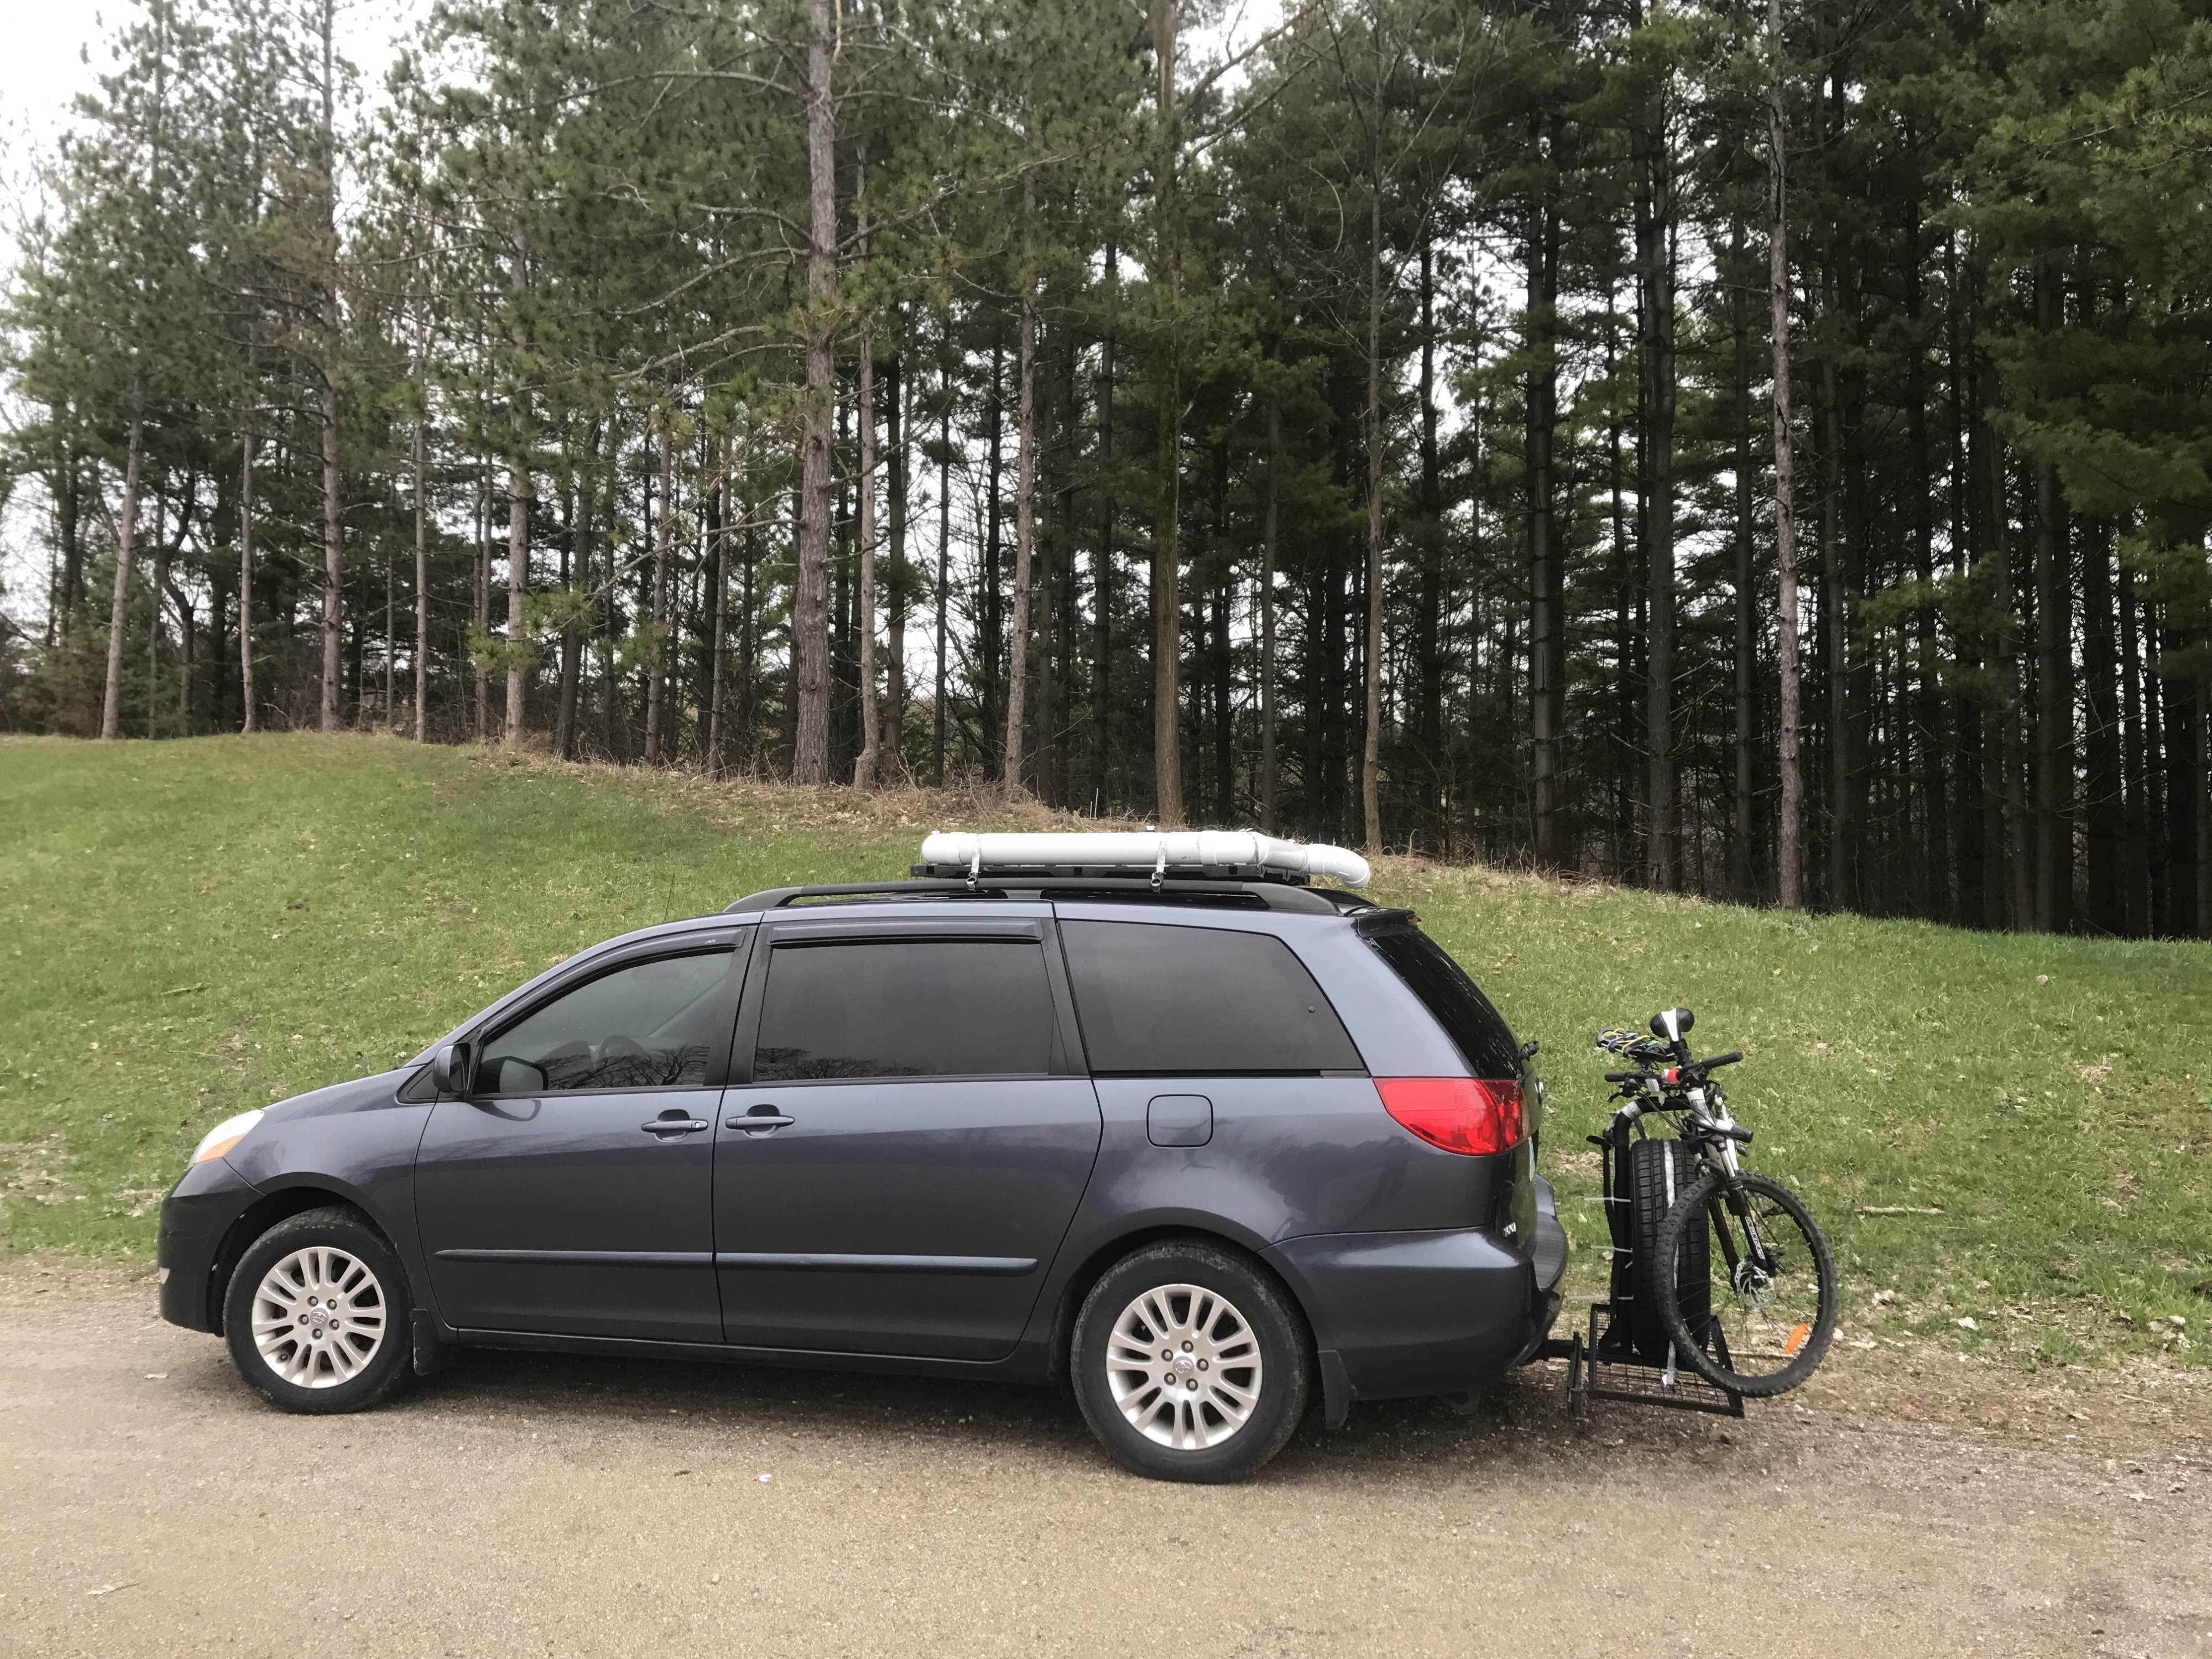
<point x="674" y="1121"/>
<point x="760" y="1119"/>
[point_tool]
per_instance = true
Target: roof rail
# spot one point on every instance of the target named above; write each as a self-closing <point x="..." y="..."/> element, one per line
<point x="1174" y="889"/>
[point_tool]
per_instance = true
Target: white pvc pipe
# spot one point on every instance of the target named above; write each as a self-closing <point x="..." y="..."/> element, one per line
<point x="1144" y="850"/>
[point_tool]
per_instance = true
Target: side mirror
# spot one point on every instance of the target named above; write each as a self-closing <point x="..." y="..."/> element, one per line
<point x="453" y="1068"/>
<point x="1529" y="1048"/>
<point x="1673" y="1024"/>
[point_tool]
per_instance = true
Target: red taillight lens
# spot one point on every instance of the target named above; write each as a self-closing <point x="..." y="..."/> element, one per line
<point x="1467" y="1115"/>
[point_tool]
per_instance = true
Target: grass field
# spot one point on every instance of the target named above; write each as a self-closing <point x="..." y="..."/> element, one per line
<point x="2016" y="1131"/>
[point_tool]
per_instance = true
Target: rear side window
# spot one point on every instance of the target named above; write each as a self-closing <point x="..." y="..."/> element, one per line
<point x="881" y="1008"/>
<point x="1447" y="993"/>
<point x="1177" y="1001"/>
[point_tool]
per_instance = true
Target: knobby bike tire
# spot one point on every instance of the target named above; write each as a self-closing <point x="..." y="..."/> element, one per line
<point x="1704" y="1206"/>
<point x="1659" y="1171"/>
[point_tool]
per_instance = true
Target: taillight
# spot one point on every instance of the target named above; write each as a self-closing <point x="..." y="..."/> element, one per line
<point x="1473" y="1115"/>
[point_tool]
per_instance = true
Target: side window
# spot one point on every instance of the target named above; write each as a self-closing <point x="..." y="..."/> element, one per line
<point x="1451" y="997"/>
<point x="969" y="1007"/>
<point x="1175" y="1000"/>
<point x="649" y="1025"/>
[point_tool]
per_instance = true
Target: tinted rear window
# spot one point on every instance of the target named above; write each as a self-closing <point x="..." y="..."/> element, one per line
<point x="1173" y="1001"/>
<point x="1446" y="991"/>
<point x="905" y="1008"/>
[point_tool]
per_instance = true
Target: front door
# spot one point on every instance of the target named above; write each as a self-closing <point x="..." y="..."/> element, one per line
<point x="572" y="1193"/>
<point x="899" y="1172"/>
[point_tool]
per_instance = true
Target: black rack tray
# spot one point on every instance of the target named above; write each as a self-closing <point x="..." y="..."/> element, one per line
<point x="1596" y="1374"/>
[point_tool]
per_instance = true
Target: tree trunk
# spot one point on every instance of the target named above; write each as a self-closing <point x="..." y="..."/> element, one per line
<point x="657" y="659"/>
<point x="2054" y="710"/>
<point x="865" y="763"/>
<point x="1742" y="859"/>
<point x="422" y="592"/>
<point x="718" y="585"/>
<point x="326" y="403"/>
<point x="898" y="591"/>
<point x="809" y="610"/>
<point x="245" y="586"/>
<point x="68" y="517"/>
<point x="1658" y="251"/>
<point x="1935" y="892"/>
<point x="2018" y="853"/>
<point x="2100" y="716"/>
<point x="518" y="586"/>
<point x="1789" y="857"/>
<point x="111" y="710"/>
<point x="1370" y="758"/>
<point x="480" y="608"/>
<point x="1167" y="607"/>
<point x="1102" y="598"/>
<point x="1017" y="648"/>
<point x="1546" y="645"/>
<point x="2134" y="835"/>
<point x="154" y="591"/>
<point x="864" y="766"/>
<point x="1427" y="713"/>
<point x="990" y="602"/>
<point x="944" y="575"/>
<point x="1265" y="666"/>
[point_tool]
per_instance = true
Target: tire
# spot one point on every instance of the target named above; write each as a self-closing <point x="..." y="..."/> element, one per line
<point x="317" y="1315"/>
<point x="1659" y="1171"/>
<point x="1235" y="1343"/>
<point x="1793" y="1329"/>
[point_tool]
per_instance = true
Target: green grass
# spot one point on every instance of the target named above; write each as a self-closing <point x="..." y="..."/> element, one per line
<point x="195" y="927"/>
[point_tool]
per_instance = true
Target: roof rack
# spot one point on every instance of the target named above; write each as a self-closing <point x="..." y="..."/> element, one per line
<point x="1172" y="888"/>
<point x="1216" y="854"/>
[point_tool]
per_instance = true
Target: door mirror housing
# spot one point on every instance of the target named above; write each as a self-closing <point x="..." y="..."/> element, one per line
<point x="453" y="1068"/>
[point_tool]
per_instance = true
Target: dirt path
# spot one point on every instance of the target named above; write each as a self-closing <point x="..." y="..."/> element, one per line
<point x="149" y="1505"/>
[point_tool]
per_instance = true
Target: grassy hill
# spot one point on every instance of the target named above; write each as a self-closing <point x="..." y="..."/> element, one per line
<point x="2016" y="1131"/>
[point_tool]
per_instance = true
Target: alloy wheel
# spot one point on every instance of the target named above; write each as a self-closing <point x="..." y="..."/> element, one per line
<point x="1184" y="1366"/>
<point x="318" y="1317"/>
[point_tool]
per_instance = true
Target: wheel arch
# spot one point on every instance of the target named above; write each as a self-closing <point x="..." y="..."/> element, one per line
<point x="1102" y="1258"/>
<point x="257" y="1219"/>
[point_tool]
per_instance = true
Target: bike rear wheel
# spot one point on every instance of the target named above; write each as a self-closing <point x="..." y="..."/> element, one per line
<point x="1771" y="1285"/>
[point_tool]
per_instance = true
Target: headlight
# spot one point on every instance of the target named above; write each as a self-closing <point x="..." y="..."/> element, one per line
<point x="225" y="1135"/>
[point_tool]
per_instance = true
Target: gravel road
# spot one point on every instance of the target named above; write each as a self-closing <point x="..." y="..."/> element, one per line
<point x="521" y="1505"/>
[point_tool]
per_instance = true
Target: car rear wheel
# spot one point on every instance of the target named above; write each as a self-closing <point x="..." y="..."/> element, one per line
<point x="1189" y="1364"/>
<point x="316" y="1316"/>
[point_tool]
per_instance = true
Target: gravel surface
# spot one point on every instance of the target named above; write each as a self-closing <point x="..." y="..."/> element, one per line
<point x="149" y="1503"/>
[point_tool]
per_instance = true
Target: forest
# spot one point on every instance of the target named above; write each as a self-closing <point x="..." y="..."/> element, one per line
<point x="1756" y="451"/>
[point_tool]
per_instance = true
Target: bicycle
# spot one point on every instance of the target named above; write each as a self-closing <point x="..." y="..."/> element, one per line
<point x="1738" y="1274"/>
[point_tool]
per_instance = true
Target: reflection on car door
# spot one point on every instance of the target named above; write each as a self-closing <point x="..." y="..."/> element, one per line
<point x="901" y="1169"/>
<point x="571" y="1193"/>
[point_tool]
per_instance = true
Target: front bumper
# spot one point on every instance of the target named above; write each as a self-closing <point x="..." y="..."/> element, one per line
<point x="1427" y="1313"/>
<point x="197" y="1216"/>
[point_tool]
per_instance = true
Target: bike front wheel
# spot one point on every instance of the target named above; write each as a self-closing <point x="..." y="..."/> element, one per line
<point x="1773" y="1297"/>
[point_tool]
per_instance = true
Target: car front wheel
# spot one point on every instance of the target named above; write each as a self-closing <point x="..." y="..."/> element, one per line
<point x="317" y="1315"/>
<point x="1190" y="1364"/>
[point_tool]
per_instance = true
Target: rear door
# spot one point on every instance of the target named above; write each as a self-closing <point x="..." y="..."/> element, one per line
<point x="898" y="1169"/>
<point x="571" y="1193"/>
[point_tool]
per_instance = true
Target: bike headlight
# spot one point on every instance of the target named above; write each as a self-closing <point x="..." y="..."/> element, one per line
<point x="225" y="1135"/>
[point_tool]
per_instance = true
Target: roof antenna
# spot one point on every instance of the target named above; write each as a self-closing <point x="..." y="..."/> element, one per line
<point x="975" y="864"/>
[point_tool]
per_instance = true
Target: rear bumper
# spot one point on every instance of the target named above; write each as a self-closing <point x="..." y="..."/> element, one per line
<point x="196" y="1217"/>
<point x="1425" y="1312"/>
